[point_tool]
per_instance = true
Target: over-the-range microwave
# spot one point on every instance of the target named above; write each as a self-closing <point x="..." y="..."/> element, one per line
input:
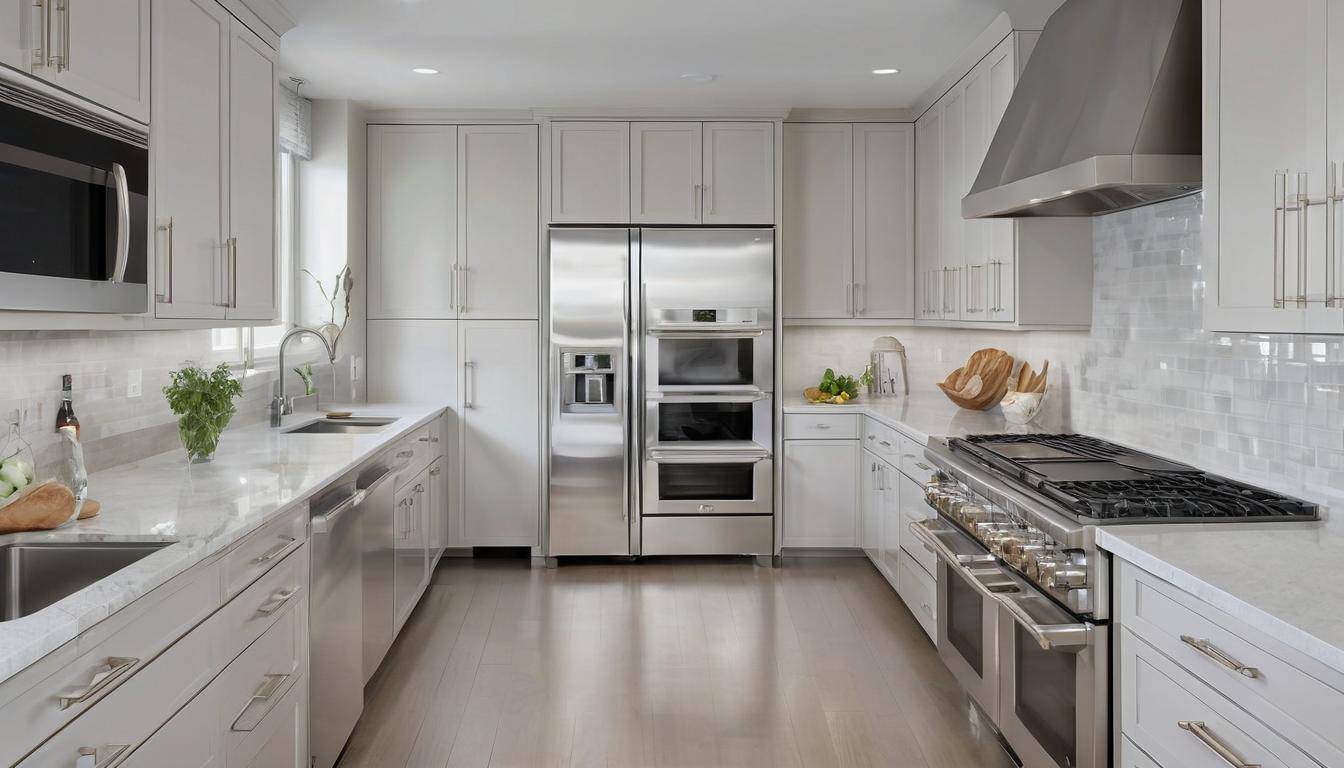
<point x="74" y="207"/>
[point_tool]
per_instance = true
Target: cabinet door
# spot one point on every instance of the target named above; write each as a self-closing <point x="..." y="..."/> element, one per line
<point x="412" y="237"/>
<point x="17" y="41"/>
<point x="425" y="520"/>
<point x="821" y="493"/>
<point x="870" y="506"/>
<point x="436" y="507"/>
<point x="189" y="140"/>
<point x="497" y="222"/>
<point x="281" y="740"/>
<point x="252" y="157"/>
<point x="975" y="135"/>
<point x="739" y="173"/>
<point x="412" y="361"/>
<point x="665" y="173"/>
<point x="953" y="236"/>
<point x="818" y="204"/>
<point x="928" y="209"/>
<point x="590" y="173"/>
<point x="1266" y="114"/>
<point x="884" y="221"/>
<point x="998" y="280"/>
<point x="192" y="739"/>
<point x="892" y="526"/>
<point x="105" y="45"/>
<point x="501" y="471"/>
<point x="408" y="543"/>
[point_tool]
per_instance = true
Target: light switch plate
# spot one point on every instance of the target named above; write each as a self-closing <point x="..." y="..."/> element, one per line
<point x="133" y="382"/>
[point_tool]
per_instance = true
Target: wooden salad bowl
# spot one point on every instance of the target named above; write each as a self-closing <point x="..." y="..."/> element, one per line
<point x="982" y="382"/>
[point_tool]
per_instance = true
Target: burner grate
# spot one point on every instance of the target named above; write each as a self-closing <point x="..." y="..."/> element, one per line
<point x="1175" y="496"/>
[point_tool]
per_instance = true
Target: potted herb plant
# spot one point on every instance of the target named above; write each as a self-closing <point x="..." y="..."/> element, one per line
<point x="203" y="402"/>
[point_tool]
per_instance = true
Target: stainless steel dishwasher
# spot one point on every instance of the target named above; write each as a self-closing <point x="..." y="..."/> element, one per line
<point x="336" y="620"/>
<point x="377" y="520"/>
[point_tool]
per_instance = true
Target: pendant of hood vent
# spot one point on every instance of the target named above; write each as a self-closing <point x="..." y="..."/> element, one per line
<point x="1106" y="116"/>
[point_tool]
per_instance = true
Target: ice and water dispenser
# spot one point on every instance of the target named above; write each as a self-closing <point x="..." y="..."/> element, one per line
<point x="589" y="381"/>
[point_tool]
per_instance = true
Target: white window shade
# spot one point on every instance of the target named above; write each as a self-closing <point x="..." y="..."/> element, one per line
<point x="296" y="124"/>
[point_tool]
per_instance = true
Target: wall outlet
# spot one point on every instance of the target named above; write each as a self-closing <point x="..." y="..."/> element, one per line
<point x="938" y="354"/>
<point x="133" y="380"/>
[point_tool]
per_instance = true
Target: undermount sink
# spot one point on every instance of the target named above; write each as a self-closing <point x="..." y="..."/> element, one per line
<point x="341" y="426"/>
<point x="37" y="574"/>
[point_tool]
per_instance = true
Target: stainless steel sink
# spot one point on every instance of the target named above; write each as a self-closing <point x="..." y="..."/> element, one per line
<point x="342" y="426"/>
<point x="35" y="575"/>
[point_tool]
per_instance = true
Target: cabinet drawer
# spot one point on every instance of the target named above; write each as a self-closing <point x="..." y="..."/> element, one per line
<point x="912" y="461"/>
<point x="128" y="715"/>
<point x="1164" y="710"/>
<point x="250" y="614"/>
<point x="1133" y="757"/>
<point x="105" y="661"/>
<point x="415" y="452"/>
<point x="919" y="591"/>
<point x="280" y="740"/>
<point x="1292" y="698"/>
<point x="263" y="549"/>
<point x="256" y="682"/>
<point x="913" y="509"/>
<point x="821" y="426"/>
<point x="191" y="739"/>
<point x="880" y="439"/>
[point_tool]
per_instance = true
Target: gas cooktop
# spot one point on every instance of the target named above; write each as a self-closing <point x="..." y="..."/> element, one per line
<point x="1110" y="483"/>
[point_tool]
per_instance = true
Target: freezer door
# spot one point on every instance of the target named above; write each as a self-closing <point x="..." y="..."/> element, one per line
<point x="589" y="400"/>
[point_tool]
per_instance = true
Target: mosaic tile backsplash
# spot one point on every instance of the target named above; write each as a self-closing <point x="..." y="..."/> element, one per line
<point x="1263" y="408"/>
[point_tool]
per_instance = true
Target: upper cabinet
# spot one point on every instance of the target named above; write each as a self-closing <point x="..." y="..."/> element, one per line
<point x="849" y="217"/>
<point x="590" y="173"/>
<point x="662" y="173"/>
<point x="212" y="147"/>
<point x="1015" y="273"/>
<point x="453" y="221"/>
<point x="96" y="49"/>
<point x="1273" y="145"/>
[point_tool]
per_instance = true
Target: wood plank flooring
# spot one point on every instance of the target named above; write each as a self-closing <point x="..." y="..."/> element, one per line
<point x="700" y="663"/>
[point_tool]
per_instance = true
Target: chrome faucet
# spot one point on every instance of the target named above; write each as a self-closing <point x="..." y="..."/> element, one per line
<point x="281" y="405"/>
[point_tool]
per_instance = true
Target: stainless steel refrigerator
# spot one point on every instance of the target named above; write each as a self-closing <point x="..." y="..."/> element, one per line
<point x="661" y="377"/>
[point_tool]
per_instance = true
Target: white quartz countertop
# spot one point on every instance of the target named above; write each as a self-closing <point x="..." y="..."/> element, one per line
<point x="257" y="473"/>
<point x="1280" y="578"/>
<point x="925" y="414"/>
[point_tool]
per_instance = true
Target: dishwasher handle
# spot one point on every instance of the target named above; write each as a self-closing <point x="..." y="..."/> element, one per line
<point x="324" y="523"/>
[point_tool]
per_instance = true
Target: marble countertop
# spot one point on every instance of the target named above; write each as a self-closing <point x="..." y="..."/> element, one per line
<point x="925" y="414"/>
<point x="1281" y="578"/>
<point x="257" y="473"/>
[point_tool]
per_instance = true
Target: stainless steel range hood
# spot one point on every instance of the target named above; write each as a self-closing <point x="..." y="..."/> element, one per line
<point x="1106" y="115"/>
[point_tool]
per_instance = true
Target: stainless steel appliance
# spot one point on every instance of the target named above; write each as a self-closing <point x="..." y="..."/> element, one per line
<point x="377" y="516"/>
<point x="1024" y="593"/>
<point x="1106" y="115"/>
<point x="74" y="209"/>
<point x="661" y="391"/>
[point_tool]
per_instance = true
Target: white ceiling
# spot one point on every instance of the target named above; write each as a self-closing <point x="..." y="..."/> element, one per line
<point x="632" y="53"/>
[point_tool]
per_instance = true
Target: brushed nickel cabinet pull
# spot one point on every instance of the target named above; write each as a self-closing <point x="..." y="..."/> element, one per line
<point x="42" y="40"/>
<point x="277" y="601"/>
<point x="100" y="757"/>
<point x="108" y="673"/>
<point x="167" y="298"/>
<point x="273" y="552"/>
<point x="246" y="720"/>
<point x="1207" y="648"/>
<point x="1202" y="733"/>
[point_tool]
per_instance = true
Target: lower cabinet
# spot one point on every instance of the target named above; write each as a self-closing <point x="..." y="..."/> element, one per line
<point x="413" y="501"/>
<point x="192" y="739"/>
<point x="821" y="494"/>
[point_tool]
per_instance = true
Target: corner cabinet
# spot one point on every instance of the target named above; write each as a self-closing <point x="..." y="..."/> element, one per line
<point x="677" y="172"/>
<point x="849" y="212"/>
<point x="452" y="214"/>
<point x="1273" y="137"/>
<point x="1018" y="273"/>
<point x="213" y="154"/>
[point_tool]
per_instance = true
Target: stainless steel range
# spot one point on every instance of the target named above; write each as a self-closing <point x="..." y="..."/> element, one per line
<point x="1023" y="592"/>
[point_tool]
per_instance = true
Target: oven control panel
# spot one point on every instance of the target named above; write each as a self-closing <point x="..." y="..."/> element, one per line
<point x="1058" y="571"/>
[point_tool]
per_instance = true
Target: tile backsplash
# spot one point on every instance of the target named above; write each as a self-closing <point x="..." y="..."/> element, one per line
<point x="1263" y="408"/>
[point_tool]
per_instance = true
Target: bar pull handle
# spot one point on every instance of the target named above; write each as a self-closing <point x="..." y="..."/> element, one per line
<point x="273" y="552"/>
<point x="277" y="601"/>
<point x="108" y="673"/>
<point x="1303" y="202"/>
<point x="1220" y="749"/>
<point x="468" y="383"/>
<point x="1331" y="223"/>
<point x="42" y="38"/>
<point x="1280" y="237"/>
<point x="233" y="272"/>
<point x="100" y="757"/>
<point x="167" y="298"/>
<point x="849" y="298"/>
<point x="64" y="63"/>
<point x="1204" y="646"/>
<point x="123" y="242"/>
<point x="247" y="720"/>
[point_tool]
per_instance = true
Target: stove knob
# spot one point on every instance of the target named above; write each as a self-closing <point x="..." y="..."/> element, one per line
<point x="1017" y="557"/>
<point x="1040" y="564"/>
<point x="972" y="514"/>
<point x="1068" y="578"/>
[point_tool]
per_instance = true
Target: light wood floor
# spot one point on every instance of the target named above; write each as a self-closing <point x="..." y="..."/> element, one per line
<point x="701" y="663"/>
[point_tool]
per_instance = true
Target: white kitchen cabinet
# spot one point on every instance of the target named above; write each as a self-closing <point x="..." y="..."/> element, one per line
<point x="884" y="224"/>
<point x="412" y="221"/>
<point x="252" y="157"/>
<point x="893" y="529"/>
<point x="436" y="507"/>
<point x="281" y="741"/>
<point x="1273" y="102"/>
<point x="821" y="493"/>
<point x="665" y="173"/>
<point x="189" y="140"/>
<point x="409" y="540"/>
<point x="191" y="739"/>
<point x="928" y="210"/>
<point x="500" y="435"/>
<point x="871" y="475"/>
<point x="818" y="258"/>
<point x="739" y="175"/>
<point x="953" y="258"/>
<point x="413" y="361"/>
<point x="497" y="170"/>
<point x="16" y="38"/>
<point x="590" y="172"/>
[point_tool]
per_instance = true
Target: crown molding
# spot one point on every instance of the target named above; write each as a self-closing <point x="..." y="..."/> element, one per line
<point x="812" y="115"/>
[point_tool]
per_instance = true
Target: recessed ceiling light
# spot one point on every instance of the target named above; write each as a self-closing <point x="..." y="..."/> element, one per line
<point x="425" y="71"/>
<point x="886" y="71"/>
<point x="699" y="77"/>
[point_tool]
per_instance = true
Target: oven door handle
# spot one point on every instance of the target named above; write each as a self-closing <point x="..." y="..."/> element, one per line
<point x="123" y="224"/>
<point x="750" y="396"/>
<point x="707" y="457"/>
<point x="925" y="533"/>
<point x="686" y="332"/>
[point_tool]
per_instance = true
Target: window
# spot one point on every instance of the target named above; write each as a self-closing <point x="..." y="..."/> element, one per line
<point x="264" y="342"/>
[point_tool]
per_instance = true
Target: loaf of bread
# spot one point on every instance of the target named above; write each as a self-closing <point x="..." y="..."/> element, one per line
<point x="39" y="507"/>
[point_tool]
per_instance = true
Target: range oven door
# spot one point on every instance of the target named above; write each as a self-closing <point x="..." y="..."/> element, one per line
<point x="74" y="217"/>
<point x="709" y="481"/>
<point x="1053" y="684"/>
<point x="696" y="419"/>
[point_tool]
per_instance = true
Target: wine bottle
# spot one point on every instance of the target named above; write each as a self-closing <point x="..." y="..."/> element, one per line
<point x="65" y="416"/>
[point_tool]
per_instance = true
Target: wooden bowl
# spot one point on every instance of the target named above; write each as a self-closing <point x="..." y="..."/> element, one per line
<point x="982" y="382"/>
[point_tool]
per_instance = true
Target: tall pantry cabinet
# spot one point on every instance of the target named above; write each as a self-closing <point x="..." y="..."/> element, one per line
<point x="453" y="307"/>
